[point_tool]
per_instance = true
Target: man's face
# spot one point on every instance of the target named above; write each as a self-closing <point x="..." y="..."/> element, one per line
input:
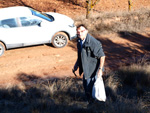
<point x="82" y="32"/>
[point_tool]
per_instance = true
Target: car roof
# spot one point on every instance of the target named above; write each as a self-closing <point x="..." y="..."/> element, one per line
<point x="16" y="11"/>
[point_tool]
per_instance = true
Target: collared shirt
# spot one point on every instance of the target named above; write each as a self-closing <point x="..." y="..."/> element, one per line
<point x="83" y="41"/>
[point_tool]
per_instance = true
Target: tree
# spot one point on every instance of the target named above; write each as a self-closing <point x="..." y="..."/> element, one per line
<point x="130" y="4"/>
<point x="90" y="5"/>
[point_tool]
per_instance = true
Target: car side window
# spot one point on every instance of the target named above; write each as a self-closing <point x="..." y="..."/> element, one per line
<point x="8" y="23"/>
<point x="26" y="21"/>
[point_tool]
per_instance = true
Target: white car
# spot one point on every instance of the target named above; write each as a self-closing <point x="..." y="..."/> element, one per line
<point x="23" y="26"/>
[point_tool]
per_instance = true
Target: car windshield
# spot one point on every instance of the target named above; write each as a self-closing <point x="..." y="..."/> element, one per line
<point x="42" y="15"/>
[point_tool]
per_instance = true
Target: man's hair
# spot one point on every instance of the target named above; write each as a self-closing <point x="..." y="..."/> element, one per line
<point x="81" y="25"/>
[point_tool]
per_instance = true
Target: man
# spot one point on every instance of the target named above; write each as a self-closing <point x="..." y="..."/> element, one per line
<point x="90" y="59"/>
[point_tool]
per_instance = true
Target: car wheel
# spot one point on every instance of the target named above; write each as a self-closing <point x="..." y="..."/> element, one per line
<point x="2" y="48"/>
<point x="60" y="40"/>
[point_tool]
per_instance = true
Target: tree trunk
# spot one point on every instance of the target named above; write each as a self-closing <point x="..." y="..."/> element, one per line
<point x="88" y="8"/>
<point x="130" y="5"/>
<point x="90" y="5"/>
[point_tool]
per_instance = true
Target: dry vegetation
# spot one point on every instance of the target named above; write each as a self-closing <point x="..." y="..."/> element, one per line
<point x="127" y="88"/>
<point x="127" y="91"/>
<point x="114" y="22"/>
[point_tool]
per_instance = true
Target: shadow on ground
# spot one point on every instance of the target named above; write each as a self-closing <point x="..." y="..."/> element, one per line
<point x="117" y="54"/>
<point x="43" y="95"/>
<point x="47" y="95"/>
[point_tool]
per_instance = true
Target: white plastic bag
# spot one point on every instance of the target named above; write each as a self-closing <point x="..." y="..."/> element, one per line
<point x="98" y="90"/>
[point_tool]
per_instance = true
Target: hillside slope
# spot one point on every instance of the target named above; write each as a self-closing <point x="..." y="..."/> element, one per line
<point x="75" y="10"/>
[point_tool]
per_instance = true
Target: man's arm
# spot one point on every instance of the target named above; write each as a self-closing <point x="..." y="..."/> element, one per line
<point x="102" y="61"/>
<point x="76" y="66"/>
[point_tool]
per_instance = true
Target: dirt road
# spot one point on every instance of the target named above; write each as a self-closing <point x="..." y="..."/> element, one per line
<point x="45" y="61"/>
<point x="41" y="61"/>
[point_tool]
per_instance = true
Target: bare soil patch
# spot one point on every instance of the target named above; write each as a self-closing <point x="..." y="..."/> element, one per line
<point x="45" y="61"/>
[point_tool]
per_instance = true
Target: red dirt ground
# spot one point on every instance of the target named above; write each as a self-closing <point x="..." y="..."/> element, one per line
<point x="44" y="61"/>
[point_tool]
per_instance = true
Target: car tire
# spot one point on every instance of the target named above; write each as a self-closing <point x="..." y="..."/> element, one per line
<point x="60" y="40"/>
<point x="2" y="48"/>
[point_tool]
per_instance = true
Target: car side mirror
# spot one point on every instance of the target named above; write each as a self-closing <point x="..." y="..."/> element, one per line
<point x="38" y="22"/>
<point x="42" y="24"/>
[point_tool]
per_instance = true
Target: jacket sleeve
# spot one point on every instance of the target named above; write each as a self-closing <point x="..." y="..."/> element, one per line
<point x="97" y="48"/>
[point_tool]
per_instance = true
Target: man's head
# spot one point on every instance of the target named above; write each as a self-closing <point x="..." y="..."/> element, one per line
<point x="82" y="31"/>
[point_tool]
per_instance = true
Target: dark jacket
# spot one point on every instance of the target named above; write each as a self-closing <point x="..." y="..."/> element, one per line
<point x="89" y="56"/>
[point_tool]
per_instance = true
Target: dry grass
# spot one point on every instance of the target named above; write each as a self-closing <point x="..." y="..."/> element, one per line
<point x="127" y="91"/>
<point x="110" y="22"/>
<point x="67" y="96"/>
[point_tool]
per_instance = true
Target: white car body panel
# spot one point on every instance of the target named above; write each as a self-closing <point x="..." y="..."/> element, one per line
<point x="10" y="12"/>
<point x="32" y="35"/>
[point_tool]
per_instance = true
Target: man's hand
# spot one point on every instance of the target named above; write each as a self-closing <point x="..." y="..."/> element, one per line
<point x="73" y="70"/>
<point x="100" y="73"/>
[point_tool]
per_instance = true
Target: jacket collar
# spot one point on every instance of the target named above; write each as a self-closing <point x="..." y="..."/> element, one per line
<point x="87" y="41"/>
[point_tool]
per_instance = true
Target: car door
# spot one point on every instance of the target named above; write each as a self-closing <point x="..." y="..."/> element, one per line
<point x="23" y="31"/>
<point x="9" y="32"/>
<point x="32" y="32"/>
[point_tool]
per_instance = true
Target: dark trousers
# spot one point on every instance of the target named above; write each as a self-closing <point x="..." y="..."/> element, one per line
<point x="88" y="85"/>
